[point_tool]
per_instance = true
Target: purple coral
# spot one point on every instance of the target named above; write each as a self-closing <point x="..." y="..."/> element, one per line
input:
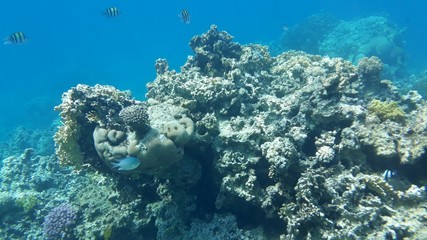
<point x="58" y="221"/>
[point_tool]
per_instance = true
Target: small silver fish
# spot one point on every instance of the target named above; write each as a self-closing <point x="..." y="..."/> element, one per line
<point x="126" y="164"/>
<point x="111" y="12"/>
<point x="16" y="38"/>
<point x="185" y="16"/>
<point x="388" y="174"/>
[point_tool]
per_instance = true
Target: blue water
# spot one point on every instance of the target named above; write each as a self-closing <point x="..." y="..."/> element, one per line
<point x="71" y="42"/>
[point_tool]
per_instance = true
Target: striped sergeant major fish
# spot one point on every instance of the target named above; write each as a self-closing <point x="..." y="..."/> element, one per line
<point x="111" y="12"/>
<point x="16" y="38"/>
<point x="388" y="174"/>
<point x="185" y="16"/>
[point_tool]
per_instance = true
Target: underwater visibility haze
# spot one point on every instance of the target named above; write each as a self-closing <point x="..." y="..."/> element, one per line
<point x="213" y="120"/>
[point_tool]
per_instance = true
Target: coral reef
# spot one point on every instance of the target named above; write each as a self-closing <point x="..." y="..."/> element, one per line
<point x="22" y="138"/>
<point x="219" y="227"/>
<point x="370" y="68"/>
<point x="282" y="130"/>
<point x="416" y="82"/>
<point x="82" y="108"/>
<point x="310" y="33"/>
<point x="154" y="149"/>
<point x="215" y="52"/>
<point x="402" y="141"/>
<point x="95" y="198"/>
<point x="30" y="184"/>
<point x="59" y="221"/>
<point x="237" y="145"/>
<point x="386" y="110"/>
<point x="352" y="40"/>
<point x="129" y="136"/>
<point x="370" y="36"/>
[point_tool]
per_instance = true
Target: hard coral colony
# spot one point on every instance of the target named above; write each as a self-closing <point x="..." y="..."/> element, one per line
<point x="243" y="145"/>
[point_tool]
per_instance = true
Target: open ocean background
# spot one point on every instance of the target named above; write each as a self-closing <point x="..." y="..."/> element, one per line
<point x="71" y="42"/>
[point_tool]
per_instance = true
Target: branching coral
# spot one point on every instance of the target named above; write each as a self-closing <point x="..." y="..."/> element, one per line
<point x="58" y="222"/>
<point x="386" y="110"/>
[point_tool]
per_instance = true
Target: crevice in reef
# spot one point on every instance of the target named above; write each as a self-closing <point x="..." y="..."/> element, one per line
<point x="379" y="163"/>
<point x="416" y="173"/>
<point x="272" y="227"/>
<point x="248" y="215"/>
<point x="149" y="231"/>
<point x="261" y="172"/>
<point x="330" y="124"/>
<point x="207" y="188"/>
<point x="309" y="146"/>
<point x="131" y="188"/>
